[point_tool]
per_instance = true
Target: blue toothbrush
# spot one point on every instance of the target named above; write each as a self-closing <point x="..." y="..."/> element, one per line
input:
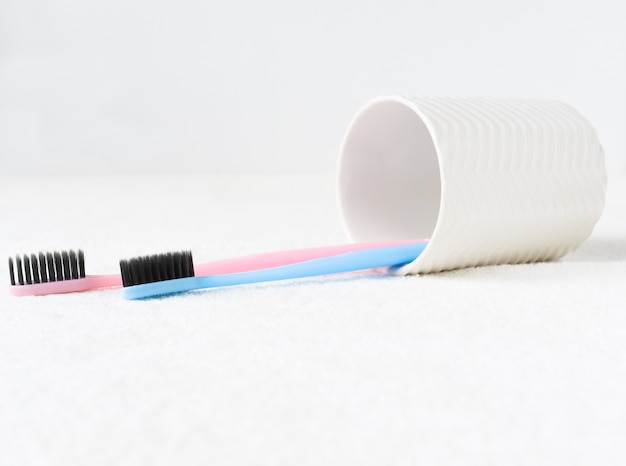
<point x="164" y="274"/>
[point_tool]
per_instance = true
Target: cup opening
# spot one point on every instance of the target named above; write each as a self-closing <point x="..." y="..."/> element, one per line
<point x="389" y="177"/>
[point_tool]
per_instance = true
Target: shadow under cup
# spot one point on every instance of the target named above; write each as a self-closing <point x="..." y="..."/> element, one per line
<point x="488" y="181"/>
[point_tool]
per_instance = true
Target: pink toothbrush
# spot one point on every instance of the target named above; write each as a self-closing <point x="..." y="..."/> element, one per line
<point x="64" y="272"/>
<point x="279" y="258"/>
<point x="55" y="273"/>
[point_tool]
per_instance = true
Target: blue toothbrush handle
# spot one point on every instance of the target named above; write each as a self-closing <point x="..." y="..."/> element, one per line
<point x="347" y="262"/>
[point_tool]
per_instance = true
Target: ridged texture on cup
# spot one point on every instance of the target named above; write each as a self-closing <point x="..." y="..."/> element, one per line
<point x="521" y="181"/>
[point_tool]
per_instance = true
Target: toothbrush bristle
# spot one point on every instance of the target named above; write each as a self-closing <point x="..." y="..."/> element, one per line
<point x="67" y="274"/>
<point x="27" y="271"/>
<point x="36" y="274"/>
<point x="11" y="271"/>
<point x="46" y="267"/>
<point x="156" y="268"/>
<point x="81" y="263"/>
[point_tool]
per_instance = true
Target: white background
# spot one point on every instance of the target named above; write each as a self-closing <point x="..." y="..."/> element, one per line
<point x="112" y="86"/>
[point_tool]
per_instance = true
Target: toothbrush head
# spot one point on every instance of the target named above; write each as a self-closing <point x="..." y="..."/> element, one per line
<point x="156" y="268"/>
<point x="55" y="273"/>
<point x="46" y="267"/>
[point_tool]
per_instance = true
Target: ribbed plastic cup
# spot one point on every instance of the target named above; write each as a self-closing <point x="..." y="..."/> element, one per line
<point x="489" y="181"/>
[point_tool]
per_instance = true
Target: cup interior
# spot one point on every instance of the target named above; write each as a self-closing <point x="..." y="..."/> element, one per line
<point x="389" y="177"/>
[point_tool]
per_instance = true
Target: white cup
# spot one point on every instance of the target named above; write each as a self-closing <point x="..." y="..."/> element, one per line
<point x="488" y="181"/>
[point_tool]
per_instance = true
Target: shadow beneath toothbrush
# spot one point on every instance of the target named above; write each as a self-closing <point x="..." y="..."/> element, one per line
<point x="325" y="280"/>
<point x="599" y="250"/>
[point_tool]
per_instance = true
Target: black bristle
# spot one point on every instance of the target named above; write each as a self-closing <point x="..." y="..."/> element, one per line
<point x="156" y="268"/>
<point x="140" y="271"/>
<point x="169" y="266"/>
<point x="188" y="265"/>
<point x="58" y="266"/>
<point x="27" y="270"/>
<point x="46" y="267"/>
<point x="81" y="263"/>
<point x="178" y="269"/>
<point x="34" y="263"/>
<point x="18" y="266"/>
<point x="43" y="269"/>
<point x="11" y="271"/>
<point x="74" y="265"/>
<point x="51" y="272"/>
<point x="67" y="275"/>
<point x="147" y="272"/>
<point x="157" y="274"/>
<point x="126" y="273"/>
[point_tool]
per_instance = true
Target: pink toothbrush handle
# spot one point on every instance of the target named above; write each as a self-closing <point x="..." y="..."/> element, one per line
<point x="280" y="258"/>
<point x="90" y="282"/>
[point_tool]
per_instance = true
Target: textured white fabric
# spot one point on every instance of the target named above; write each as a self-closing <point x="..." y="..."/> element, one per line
<point x="520" y="364"/>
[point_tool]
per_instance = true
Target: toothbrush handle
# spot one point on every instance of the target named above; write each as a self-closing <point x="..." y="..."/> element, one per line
<point x="280" y="258"/>
<point x="346" y="262"/>
<point x="90" y="282"/>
